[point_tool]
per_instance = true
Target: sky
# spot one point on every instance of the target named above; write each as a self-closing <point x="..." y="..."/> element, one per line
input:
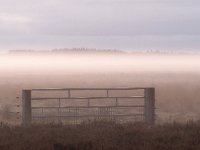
<point x="116" y="24"/>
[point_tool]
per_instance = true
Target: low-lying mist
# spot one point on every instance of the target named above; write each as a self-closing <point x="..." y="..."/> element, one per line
<point x="102" y="63"/>
<point x="176" y="77"/>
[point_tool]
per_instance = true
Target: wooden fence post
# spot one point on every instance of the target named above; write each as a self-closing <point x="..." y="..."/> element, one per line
<point x="149" y="109"/>
<point x="26" y="107"/>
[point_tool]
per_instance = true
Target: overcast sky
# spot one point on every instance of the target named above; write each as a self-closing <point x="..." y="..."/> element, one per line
<point x="120" y="24"/>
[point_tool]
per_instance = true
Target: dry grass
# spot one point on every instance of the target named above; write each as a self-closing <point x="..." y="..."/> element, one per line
<point x="101" y="136"/>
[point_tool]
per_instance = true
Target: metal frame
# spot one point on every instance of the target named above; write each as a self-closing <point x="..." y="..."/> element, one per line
<point x="148" y="97"/>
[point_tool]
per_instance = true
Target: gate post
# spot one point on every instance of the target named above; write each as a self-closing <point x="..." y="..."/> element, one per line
<point x="149" y="109"/>
<point x="26" y="107"/>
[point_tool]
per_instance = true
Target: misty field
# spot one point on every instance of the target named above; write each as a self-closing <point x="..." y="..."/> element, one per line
<point x="101" y="135"/>
<point x="174" y="76"/>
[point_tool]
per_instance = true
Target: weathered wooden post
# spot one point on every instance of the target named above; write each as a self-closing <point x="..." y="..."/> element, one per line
<point x="26" y="107"/>
<point x="149" y="109"/>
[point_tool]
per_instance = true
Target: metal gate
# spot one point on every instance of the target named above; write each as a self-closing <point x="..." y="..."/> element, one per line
<point x="74" y="105"/>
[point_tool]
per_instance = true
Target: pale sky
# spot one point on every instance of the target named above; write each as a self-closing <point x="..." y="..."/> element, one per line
<point x="119" y="24"/>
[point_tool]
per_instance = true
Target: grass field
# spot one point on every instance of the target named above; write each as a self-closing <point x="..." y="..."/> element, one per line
<point x="175" y="77"/>
<point x="101" y="135"/>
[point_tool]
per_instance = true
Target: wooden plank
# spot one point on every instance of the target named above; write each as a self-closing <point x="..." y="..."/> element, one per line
<point x="149" y="111"/>
<point x="99" y="97"/>
<point x="26" y="107"/>
<point x="82" y="116"/>
<point x="119" y="88"/>
<point x="52" y="107"/>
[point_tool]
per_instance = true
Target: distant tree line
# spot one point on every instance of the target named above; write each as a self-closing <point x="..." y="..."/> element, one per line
<point x="95" y="51"/>
<point x="69" y="50"/>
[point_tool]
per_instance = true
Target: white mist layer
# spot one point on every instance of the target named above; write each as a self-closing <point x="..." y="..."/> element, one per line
<point x="79" y="64"/>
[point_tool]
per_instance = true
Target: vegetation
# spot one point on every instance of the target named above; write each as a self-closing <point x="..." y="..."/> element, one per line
<point x="101" y="135"/>
<point x="69" y="51"/>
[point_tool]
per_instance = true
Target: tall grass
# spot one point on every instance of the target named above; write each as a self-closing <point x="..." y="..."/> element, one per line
<point x="101" y="135"/>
